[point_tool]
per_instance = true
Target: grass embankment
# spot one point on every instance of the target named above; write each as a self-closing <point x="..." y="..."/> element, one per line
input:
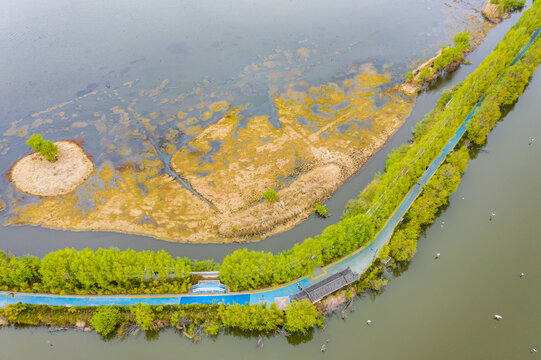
<point x="245" y="269"/>
<point x="426" y="207"/>
<point x="191" y="320"/>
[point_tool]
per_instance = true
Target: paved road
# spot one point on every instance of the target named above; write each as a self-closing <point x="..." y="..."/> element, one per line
<point x="358" y="261"/>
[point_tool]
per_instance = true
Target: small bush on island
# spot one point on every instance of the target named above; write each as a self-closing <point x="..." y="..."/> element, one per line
<point x="321" y="210"/>
<point x="45" y="147"/>
<point x="270" y="195"/>
<point x="511" y="5"/>
<point x="451" y="54"/>
<point x="105" y="320"/>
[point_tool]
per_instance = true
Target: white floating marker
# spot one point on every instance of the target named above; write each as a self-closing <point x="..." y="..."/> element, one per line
<point x="498" y="317"/>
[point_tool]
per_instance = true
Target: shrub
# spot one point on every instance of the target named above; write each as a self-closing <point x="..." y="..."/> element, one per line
<point x="144" y="315"/>
<point x="409" y="75"/>
<point x="504" y="5"/>
<point x="45" y="147"/>
<point x="321" y="210"/>
<point x="425" y="73"/>
<point x="106" y="320"/>
<point x="270" y="195"/>
<point x="252" y="317"/>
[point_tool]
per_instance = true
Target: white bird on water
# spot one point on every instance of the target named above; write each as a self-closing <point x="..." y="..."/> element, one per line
<point x="531" y="141"/>
<point x="533" y="350"/>
<point x="437" y="255"/>
<point x="491" y="216"/>
<point x="498" y="317"/>
<point x="369" y="322"/>
<point x="521" y="274"/>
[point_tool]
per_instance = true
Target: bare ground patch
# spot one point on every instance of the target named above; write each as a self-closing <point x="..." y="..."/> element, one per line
<point x="38" y="176"/>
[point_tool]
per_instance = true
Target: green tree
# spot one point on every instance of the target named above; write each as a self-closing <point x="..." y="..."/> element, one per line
<point x="300" y="316"/>
<point x="251" y="317"/>
<point x="144" y="315"/>
<point x="321" y="210"/>
<point x="106" y="319"/>
<point x="45" y="147"/>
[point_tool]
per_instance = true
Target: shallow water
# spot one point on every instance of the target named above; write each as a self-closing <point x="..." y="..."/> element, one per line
<point x="438" y="308"/>
<point x="321" y="53"/>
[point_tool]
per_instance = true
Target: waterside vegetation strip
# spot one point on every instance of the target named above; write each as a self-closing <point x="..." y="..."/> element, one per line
<point x="112" y="271"/>
<point x="191" y="320"/>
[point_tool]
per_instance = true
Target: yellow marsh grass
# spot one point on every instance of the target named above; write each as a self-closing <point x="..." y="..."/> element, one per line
<point x="342" y="127"/>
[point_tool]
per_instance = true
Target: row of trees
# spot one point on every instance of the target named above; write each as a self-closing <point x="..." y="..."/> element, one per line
<point x="105" y="271"/>
<point x="424" y="210"/>
<point x="299" y="317"/>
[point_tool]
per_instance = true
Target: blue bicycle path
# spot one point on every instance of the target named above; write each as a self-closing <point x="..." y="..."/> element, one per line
<point x="358" y="262"/>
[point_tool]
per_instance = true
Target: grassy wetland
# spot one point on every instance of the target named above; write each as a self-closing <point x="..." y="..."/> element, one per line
<point x="193" y="167"/>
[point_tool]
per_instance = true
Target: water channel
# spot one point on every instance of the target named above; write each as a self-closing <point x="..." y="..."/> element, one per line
<point x="437" y="308"/>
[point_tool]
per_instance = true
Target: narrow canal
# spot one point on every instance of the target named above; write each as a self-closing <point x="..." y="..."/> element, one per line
<point x="437" y="308"/>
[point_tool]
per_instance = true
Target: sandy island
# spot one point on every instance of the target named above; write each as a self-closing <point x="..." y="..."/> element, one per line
<point x="38" y="176"/>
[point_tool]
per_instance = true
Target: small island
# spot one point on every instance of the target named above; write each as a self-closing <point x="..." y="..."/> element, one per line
<point x="36" y="175"/>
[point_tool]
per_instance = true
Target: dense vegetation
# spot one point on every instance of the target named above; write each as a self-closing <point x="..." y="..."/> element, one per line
<point x="45" y="147"/>
<point x="508" y="5"/>
<point x="450" y="55"/>
<point x="113" y="271"/>
<point x="105" y="271"/>
<point x="192" y="320"/>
